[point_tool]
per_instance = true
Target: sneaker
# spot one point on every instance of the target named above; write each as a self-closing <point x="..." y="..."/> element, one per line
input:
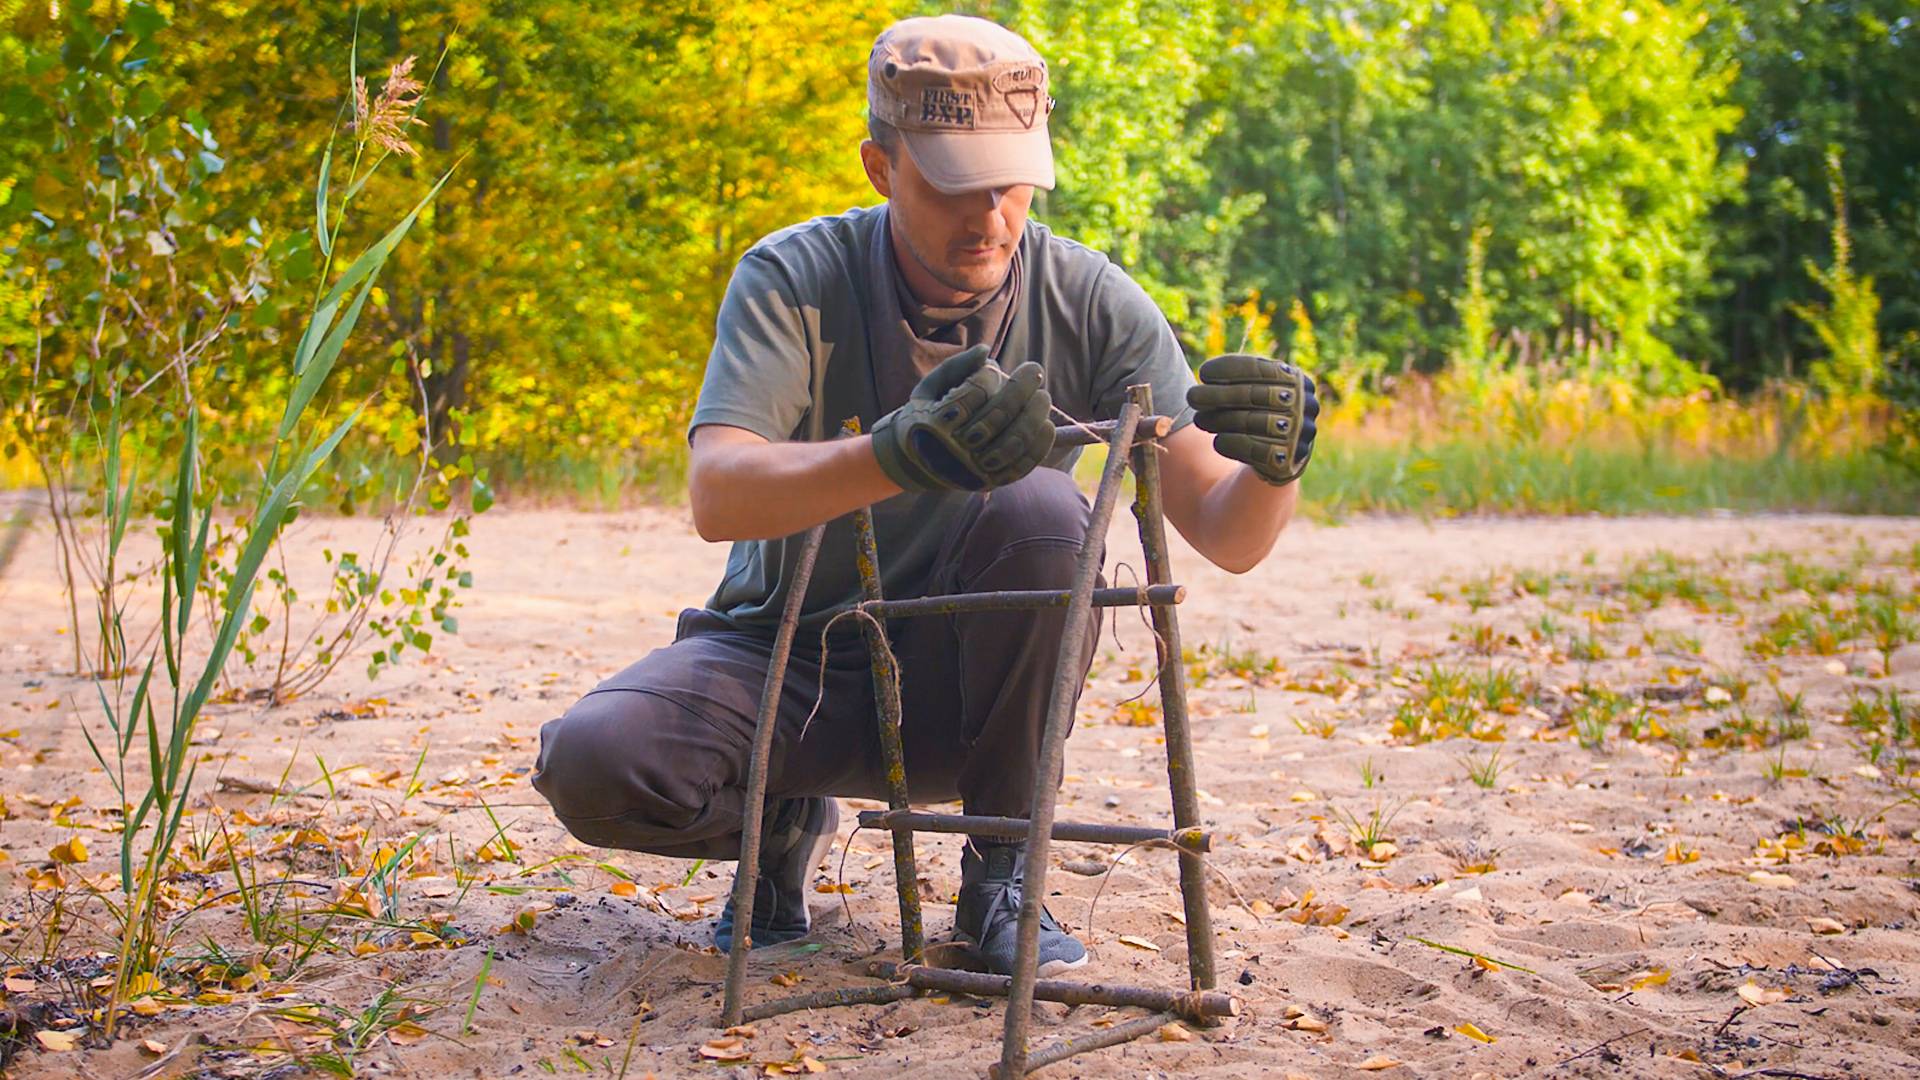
<point x="987" y="915"/>
<point x="796" y="839"/>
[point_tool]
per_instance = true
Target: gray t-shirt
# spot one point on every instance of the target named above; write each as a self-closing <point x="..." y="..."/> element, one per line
<point x="792" y="359"/>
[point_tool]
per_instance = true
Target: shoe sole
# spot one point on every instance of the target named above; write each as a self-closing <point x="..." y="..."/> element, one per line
<point x="1056" y="967"/>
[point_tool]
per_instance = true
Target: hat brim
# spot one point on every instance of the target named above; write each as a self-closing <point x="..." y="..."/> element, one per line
<point x="957" y="162"/>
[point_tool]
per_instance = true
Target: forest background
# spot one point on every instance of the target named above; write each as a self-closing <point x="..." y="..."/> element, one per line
<point x="1588" y="254"/>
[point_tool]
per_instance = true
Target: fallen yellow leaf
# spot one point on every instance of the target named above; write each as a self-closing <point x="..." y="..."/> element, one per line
<point x="1756" y="995"/>
<point x="1772" y="879"/>
<point x="624" y="888"/>
<point x="406" y="1033"/>
<point x="1138" y="942"/>
<point x="1173" y="1032"/>
<point x="1474" y="1033"/>
<point x="1377" y="1063"/>
<point x="725" y="1050"/>
<point x="1656" y="977"/>
<point x="73" y="851"/>
<point x="60" y="1041"/>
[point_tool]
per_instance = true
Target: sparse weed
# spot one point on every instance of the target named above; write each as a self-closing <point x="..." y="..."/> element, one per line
<point x="1480" y="639"/>
<point x="1323" y="726"/>
<point x="1478" y="593"/>
<point x="1587" y="649"/>
<point x="1593" y="715"/>
<point x="1883" y="713"/>
<point x="1211" y="660"/>
<point x="1469" y="857"/>
<point x="1450" y="702"/>
<point x="1370" y="830"/>
<point x="1670" y="641"/>
<point x="1369" y="776"/>
<point x="1535" y="582"/>
<point x="1484" y="772"/>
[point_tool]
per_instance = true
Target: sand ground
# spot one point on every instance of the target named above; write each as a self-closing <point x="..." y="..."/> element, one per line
<point x="1625" y="895"/>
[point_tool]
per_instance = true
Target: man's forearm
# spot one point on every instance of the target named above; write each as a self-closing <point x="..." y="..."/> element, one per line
<point x="1225" y="510"/>
<point x="742" y="487"/>
<point x="1240" y="518"/>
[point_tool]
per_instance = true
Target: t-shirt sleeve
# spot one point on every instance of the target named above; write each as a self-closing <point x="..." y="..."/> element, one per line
<point x="758" y="376"/>
<point x="1135" y="345"/>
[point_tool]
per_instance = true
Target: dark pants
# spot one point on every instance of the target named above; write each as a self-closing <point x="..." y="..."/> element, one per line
<point x="655" y="758"/>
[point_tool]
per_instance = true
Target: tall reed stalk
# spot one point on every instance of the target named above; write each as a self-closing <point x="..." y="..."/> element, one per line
<point x="188" y="668"/>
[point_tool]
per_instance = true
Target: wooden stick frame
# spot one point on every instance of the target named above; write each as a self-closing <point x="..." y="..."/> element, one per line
<point x="1132" y="443"/>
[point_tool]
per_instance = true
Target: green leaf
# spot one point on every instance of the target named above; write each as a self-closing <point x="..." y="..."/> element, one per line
<point x="357" y="275"/>
<point x="143" y="20"/>
<point x="267" y="522"/>
<point x="320" y="201"/>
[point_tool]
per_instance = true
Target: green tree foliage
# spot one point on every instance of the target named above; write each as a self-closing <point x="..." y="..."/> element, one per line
<point x="559" y="295"/>
<point x="1631" y="186"/>
<point x="1842" y="74"/>
<point x="1130" y="134"/>
<point x="1579" y="138"/>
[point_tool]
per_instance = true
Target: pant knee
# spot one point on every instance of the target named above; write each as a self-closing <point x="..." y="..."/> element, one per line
<point x="1027" y="534"/>
<point x="611" y="757"/>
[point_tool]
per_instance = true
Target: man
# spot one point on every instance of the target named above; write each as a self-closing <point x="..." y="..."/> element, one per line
<point x="890" y="314"/>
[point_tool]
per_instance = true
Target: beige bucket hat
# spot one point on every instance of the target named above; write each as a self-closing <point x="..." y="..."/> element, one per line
<point x="970" y="96"/>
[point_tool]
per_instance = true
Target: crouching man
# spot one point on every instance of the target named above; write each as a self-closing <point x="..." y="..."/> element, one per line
<point x="956" y="330"/>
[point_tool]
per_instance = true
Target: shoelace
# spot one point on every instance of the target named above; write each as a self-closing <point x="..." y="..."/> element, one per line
<point x="1005" y="899"/>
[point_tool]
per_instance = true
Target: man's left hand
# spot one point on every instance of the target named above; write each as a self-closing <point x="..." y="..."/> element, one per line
<point x="1260" y="411"/>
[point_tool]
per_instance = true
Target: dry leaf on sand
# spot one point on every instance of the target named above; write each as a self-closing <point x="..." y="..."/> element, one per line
<point x="724" y="1050"/>
<point x="60" y="1041"/>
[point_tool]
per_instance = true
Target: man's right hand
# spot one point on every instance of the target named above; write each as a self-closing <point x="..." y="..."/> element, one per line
<point x="968" y="426"/>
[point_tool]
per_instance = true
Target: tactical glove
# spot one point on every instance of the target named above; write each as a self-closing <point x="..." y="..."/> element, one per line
<point x="1260" y="411"/>
<point x="968" y="426"/>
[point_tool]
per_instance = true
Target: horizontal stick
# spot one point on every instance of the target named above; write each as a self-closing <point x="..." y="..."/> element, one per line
<point x="1200" y="1006"/>
<point x="1021" y="600"/>
<point x="827" y="999"/>
<point x="1013" y="828"/>
<point x="1092" y="1040"/>
<point x="1101" y="431"/>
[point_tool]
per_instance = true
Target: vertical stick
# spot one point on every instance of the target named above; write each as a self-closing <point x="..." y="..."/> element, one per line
<point x="886" y="693"/>
<point x="1046" y="774"/>
<point x="1173" y="703"/>
<point x="747" y="875"/>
